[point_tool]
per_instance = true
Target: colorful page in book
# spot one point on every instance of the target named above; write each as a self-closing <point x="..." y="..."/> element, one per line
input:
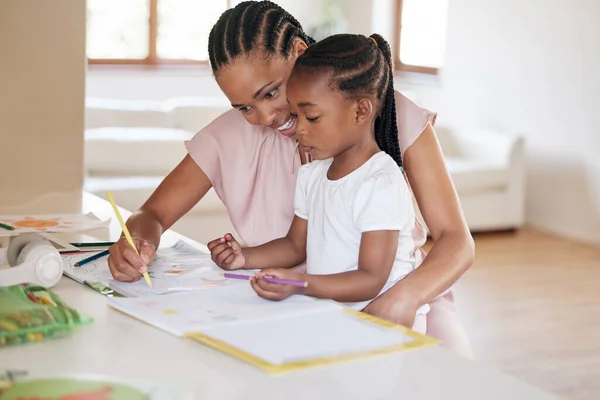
<point x="228" y="305"/>
<point x="171" y="278"/>
<point x="51" y="223"/>
<point x="178" y="256"/>
<point x="179" y="268"/>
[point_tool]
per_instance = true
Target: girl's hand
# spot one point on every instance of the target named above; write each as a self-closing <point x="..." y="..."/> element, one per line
<point x="227" y="253"/>
<point x="395" y="306"/>
<point x="276" y="291"/>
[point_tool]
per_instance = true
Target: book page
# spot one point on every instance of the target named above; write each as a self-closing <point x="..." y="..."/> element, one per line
<point x="179" y="267"/>
<point x="172" y="278"/>
<point x="233" y="304"/>
<point x="95" y="271"/>
<point x="308" y="336"/>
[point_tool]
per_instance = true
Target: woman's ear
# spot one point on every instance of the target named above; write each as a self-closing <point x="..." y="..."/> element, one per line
<point x="364" y="111"/>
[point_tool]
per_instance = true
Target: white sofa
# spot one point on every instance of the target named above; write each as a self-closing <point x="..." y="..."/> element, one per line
<point x="131" y="145"/>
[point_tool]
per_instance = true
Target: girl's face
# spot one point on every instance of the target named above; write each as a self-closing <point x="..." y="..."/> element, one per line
<point x="328" y="123"/>
<point x="256" y="86"/>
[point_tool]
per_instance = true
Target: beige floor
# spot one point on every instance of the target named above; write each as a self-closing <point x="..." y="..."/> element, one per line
<point x="531" y="306"/>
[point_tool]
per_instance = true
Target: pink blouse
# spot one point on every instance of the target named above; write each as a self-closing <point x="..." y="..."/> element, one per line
<point x="253" y="169"/>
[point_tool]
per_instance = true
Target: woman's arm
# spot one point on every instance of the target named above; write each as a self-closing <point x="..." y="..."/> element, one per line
<point x="175" y="196"/>
<point x="453" y="248"/>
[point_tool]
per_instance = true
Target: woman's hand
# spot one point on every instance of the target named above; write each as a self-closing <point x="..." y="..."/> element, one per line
<point x="276" y="291"/>
<point x="227" y="253"/>
<point x="125" y="264"/>
<point x="395" y="306"/>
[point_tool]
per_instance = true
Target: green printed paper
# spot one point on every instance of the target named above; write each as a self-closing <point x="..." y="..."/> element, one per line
<point x="71" y="389"/>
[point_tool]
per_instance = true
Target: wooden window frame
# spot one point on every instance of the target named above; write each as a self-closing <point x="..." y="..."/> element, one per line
<point x="400" y="66"/>
<point x="152" y="59"/>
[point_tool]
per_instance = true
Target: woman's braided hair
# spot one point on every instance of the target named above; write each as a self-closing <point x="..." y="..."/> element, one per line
<point x="359" y="66"/>
<point x="253" y="26"/>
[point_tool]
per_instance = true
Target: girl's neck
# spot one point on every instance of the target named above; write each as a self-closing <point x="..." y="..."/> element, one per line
<point x="352" y="158"/>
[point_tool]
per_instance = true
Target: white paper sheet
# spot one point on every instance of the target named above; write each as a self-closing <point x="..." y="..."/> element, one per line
<point x="320" y="334"/>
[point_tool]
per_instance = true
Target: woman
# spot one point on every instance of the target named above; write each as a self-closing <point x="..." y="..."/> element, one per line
<point x="249" y="156"/>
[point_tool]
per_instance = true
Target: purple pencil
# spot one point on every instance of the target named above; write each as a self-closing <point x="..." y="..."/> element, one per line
<point x="269" y="279"/>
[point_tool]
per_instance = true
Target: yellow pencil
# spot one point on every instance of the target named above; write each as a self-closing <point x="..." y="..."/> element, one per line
<point x="126" y="231"/>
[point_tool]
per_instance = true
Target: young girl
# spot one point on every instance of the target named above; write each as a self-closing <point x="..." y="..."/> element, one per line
<point x="353" y="210"/>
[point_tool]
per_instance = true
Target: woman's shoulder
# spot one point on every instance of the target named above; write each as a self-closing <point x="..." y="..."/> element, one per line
<point x="411" y="120"/>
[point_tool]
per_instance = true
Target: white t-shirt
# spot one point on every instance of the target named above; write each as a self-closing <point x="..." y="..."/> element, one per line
<point x="373" y="197"/>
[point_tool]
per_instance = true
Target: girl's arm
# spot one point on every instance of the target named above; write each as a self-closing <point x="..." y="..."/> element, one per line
<point x="286" y="252"/>
<point x="453" y="247"/>
<point x="375" y="260"/>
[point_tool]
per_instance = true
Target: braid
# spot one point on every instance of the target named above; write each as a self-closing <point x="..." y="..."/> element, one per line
<point x="361" y="66"/>
<point x="386" y="126"/>
<point x="253" y="26"/>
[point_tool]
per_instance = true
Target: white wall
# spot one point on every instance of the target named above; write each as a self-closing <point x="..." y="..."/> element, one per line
<point x="528" y="66"/>
<point x="42" y="83"/>
<point x="532" y="66"/>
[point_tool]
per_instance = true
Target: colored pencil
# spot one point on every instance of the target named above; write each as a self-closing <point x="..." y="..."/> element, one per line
<point x="269" y="279"/>
<point x="91" y="258"/>
<point x="126" y="231"/>
<point x="7" y="227"/>
<point x="93" y="244"/>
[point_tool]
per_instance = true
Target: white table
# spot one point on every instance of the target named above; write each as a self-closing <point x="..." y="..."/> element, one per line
<point x="121" y="346"/>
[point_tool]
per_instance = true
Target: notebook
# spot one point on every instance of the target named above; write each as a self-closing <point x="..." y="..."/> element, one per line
<point x="301" y="331"/>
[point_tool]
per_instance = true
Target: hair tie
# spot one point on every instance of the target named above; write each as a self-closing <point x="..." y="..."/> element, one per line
<point x="374" y="41"/>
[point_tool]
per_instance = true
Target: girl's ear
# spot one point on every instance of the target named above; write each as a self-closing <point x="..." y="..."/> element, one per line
<point x="364" y="111"/>
<point x="299" y="47"/>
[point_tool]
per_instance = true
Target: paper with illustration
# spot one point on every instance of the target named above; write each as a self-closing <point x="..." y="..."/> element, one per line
<point x="180" y="267"/>
<point x="50" y="223"/>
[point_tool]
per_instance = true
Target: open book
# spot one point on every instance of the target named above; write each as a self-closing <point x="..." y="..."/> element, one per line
<point x="274" y="336"/>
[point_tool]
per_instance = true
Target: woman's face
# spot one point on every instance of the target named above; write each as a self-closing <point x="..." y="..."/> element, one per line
<point x="255" y="85"/>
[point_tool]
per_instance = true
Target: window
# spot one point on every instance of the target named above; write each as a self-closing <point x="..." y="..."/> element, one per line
<point x="150" y="31"/>
<point x="421" y="35"/>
